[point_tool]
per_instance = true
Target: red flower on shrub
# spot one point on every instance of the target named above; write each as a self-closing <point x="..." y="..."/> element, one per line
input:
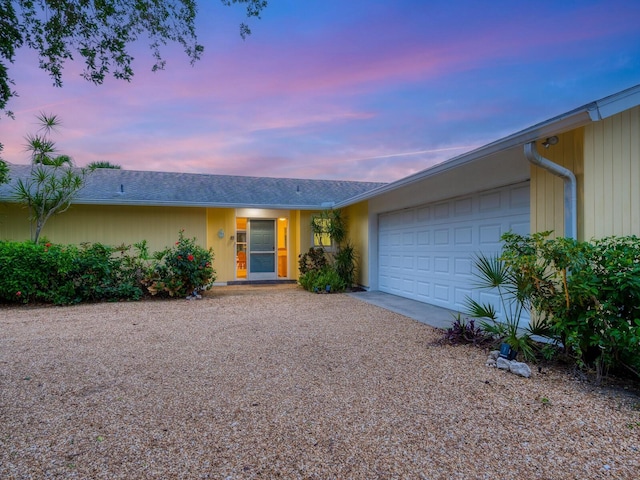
<point x="48" y="244"/>
<point x="179" y="257"/>
<point x="18" y="294"/>
<point x="190" y="258"/>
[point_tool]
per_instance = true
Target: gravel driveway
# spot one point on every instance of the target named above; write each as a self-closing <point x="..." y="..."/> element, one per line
<point x="265" y="382"/>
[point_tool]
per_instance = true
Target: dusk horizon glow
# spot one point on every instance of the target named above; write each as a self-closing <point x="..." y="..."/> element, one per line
<point x="369" y="90"/>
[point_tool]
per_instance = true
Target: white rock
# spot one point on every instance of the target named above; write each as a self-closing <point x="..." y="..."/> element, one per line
<point x="503" y="363"/>
<point x="520" y="368"/>
<point x="494" y="354"/>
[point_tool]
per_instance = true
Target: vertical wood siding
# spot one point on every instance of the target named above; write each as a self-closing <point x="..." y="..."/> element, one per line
<point x="294" y="222"/>
<point x="358" y="234"/>
<point x="547" y="190"/>
<point x="224" y="249"/>
<point x="612" y="176"/>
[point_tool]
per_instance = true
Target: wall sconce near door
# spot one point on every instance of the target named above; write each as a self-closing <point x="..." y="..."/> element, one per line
<point x="221" y="233"/>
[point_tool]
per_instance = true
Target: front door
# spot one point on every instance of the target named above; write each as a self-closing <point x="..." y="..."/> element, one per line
<point x="262" y="250"/>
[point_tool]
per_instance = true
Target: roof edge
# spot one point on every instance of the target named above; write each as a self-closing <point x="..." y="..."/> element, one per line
<point x="143" y="203"/>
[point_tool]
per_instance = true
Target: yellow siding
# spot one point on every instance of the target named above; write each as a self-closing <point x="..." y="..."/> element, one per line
<point x="110" y="225"/>
<point x="223" y="248"/>
<point x="547" y="190"/>
<point x="14" y="224"/>
<point x="294" y="243"/>
<point x="612" y="176"/>
<point x="358" y="234"/>
<point x="305" y="240"/>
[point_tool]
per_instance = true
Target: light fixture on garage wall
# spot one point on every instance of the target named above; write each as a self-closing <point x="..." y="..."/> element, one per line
<point x="221" y="233"/>
<point x="550" y="141"/>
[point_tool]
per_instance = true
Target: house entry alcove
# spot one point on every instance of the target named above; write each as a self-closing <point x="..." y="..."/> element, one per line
<point x="261" y="248"/>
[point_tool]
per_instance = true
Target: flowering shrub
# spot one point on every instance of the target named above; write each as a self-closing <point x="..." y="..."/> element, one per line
<point x="181" y="270"/>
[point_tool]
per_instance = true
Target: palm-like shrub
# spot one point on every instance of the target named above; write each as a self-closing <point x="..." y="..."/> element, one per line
<point x="493" y="273"/>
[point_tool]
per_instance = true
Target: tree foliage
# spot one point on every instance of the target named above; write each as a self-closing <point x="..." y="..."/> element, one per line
<point x="103" y="164"/>
<point x="99" y="33"/>
<point x="4" y="170"/>
<point x="53" y="181"/>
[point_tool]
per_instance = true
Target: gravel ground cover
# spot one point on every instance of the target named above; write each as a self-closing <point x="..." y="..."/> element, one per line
<point x="265" y="382"/>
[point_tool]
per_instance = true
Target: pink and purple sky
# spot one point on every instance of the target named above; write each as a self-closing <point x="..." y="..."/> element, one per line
<point x="355" y="90"/>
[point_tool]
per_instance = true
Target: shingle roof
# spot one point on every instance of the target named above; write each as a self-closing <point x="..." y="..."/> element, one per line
<point x="129" y="187"/>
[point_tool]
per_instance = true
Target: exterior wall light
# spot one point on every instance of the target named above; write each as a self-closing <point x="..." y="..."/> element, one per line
<point x="550" y="141"/>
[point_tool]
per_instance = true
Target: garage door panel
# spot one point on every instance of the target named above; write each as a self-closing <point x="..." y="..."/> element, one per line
<point x="441" y="236"/>
<point x="519" y="197"/>
<point x="489" y="234"/>
<point x="408" y="239"/>
<point x="521" y="228"/>
<point x="408" y="286"/>
<point x="423" y="214"/>
<point x="424" y="263"/>
<point x="463" y="266"/>
<point x="460" y="295"/>
<point x="408" y="263"/>
<point x="441" y="211"/>
<point x="463" y="207"/>
<point x="438" y="242"/>
<point x="441" y="292"/>
<point x="441" y="265"/>
<point x="423" y="237"/>
<point x="491" y="202"/>
<point x="423" y="289"/>
<point x="463" y="236"/>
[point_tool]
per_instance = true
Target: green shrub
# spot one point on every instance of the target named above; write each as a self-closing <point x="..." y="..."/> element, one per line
<point x="314" y="259"/>
<point x="30" y="272"/>
<point x="326" y="280"/>
<point x="65" y="274"/>
<point x="587" y="295"/>
<point x="102" y="273"/>
<point x="182" y="269"/>
<point x="345" y="264"/>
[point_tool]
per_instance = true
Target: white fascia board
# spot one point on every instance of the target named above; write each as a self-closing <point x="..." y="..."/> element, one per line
<point x="616" y="103"/>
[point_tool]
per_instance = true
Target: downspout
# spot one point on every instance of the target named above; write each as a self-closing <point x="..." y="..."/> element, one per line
<point x="570" y="188"/>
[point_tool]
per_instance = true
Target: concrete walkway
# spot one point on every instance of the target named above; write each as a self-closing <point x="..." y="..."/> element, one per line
<point x="437" y="317"/>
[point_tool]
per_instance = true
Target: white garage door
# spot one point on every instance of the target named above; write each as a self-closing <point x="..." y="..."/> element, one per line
<point x="426" y="252"/>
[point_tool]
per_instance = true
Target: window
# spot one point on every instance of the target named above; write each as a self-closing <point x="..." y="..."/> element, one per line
<point x="321" y="237"/>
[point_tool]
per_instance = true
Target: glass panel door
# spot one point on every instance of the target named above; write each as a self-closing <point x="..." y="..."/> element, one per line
<point x="262" y="249"/>
<point x="241" y="248"/>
